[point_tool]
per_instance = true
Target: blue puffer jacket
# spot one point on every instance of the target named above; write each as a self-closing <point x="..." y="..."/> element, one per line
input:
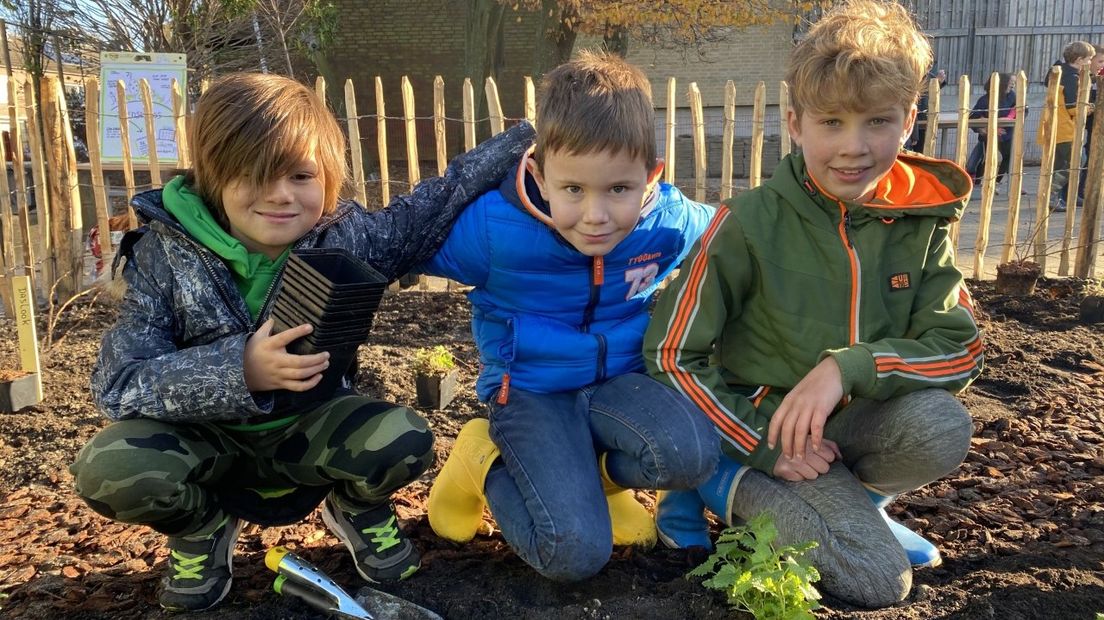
<point x="550" y="317"/>
<point x="176" y="351"/>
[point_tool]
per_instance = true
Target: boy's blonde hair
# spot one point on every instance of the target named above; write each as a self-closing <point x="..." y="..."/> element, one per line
<point x="1077" y="50"/>
<point x="859" y="54"/>
<point x="258" y="126"/>
<point x="596" y="102"/>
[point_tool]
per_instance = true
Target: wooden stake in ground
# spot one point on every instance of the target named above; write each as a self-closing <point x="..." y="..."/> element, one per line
<point x="180" y="126"/>
<point x="963" y="139"/>
<point x="62" y="160"/>
<point x="16" y="134"/>
<point x="353" y="123"/>
<point x="989" y="176"/>
<point x="758" y="115"/>
<point x="728" y="136"/>
<point x="42" y="195"/>
<point x="439" y="135"/>
<point x="494" y="107"/>
<point x="25" y="325"/>
<point x="783" y="119"/>
<point x="381" y="141"/>
<point x="933" y="117"/>
<point x="413" y="169"/>
<point x="469" y="115"/>
<point x="99" y="193"/>
<point x="1015" y="170"/>
<point x="124" y="140"/>
<point x="1048" y="138"/>
<point x="151" y="132"/>
<point x="530" y="101"/>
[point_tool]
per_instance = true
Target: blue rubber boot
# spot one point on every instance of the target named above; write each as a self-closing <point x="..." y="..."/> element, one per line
<point x="921" y="553"/>
<point x="680" y="520"/>
<point x="717" y="491"/>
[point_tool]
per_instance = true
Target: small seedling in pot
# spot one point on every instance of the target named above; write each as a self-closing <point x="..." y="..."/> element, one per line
<point x="434" y="377"/>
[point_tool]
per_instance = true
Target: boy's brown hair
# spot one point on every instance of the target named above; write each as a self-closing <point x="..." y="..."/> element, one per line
<point x="596" y="102"/>
<point x="1077" y="50"/>
<point x="258" y="126"/>
<point x="860" y="53"/>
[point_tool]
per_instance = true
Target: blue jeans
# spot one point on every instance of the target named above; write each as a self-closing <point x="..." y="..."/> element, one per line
<point x="546" y="491"/>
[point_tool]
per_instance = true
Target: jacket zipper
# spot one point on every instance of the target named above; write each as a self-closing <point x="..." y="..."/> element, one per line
<point x="856" y="274"/>
<point x="597" y="279"/>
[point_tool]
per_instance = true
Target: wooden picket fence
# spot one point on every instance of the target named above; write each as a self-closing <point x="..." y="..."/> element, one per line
<point x="59" y="234"/>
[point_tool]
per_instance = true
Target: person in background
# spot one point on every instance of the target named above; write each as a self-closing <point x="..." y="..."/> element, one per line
<point x="1075" y="55"/>
<point x="1006" y="109"/>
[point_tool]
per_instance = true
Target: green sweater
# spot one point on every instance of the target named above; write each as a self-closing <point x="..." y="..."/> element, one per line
<point x="786" y="275"/>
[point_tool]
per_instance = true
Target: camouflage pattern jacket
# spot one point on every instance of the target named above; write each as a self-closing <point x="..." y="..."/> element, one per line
<point x="176" y="350"/>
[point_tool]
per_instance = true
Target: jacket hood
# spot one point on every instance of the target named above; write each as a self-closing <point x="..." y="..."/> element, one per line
<point x="915" y="185"/>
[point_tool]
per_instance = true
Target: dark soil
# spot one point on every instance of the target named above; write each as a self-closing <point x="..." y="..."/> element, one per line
<point x="1021" y="524"/>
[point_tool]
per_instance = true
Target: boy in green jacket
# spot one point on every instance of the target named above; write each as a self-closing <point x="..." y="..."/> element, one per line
<point x="821" y="323"/>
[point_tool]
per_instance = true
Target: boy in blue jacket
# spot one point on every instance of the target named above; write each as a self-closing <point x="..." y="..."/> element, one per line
<point x="565" y="257"/>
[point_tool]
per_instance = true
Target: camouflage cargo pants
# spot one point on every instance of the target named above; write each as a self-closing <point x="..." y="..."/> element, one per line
<point x="179" y="478"/>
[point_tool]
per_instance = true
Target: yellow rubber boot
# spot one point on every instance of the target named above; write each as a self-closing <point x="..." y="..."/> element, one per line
<point x="632" y="523"/>
<point x="456" y="499"/>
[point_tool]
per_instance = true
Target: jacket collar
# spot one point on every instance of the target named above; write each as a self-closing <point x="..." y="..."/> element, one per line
<point x="917" y="186"/>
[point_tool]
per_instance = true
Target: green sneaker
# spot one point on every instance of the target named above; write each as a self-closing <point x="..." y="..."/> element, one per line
<point x="200" y="568"/>
<point x="380" y="550"/>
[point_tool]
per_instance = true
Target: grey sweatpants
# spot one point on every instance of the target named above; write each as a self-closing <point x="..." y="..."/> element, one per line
<point x="890" y="446"/>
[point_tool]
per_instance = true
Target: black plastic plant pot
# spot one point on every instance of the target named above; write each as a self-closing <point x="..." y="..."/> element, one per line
<point x="335" y="270"/>
<point x="330" y="320"/>
<point x="337" y="301"/>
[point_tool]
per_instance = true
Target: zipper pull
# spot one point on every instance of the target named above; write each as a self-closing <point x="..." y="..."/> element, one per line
<point x="599" y="266"/>
<point x="504" y="391"/>
<point x="847" y="228"/>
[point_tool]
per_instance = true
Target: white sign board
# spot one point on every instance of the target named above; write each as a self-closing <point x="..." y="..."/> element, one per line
<point x="159" y="70"/>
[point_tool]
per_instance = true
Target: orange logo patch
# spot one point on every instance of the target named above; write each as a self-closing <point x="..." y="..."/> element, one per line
<point x="899" y="281"/>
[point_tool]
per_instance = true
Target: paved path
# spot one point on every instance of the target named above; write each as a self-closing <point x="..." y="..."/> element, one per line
<point x="1056" y="225"/>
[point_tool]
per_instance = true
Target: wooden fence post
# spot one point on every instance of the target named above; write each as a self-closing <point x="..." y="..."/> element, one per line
<point x="494" y="107"/>
<point x="7" y="247"/>
<point x="469" y="115"/>
<point x="728" y="136"/>
<point x="530" y="101"/>
<point x="413" y="168"/>
<point x="24" y="315"/>
<point x="933" y="117"/>
<point x="963" y="139"/>
<point x="439" y="134"/>
<point x="1089" y="236"/>
<point x="783" y="119"/>
<point x="698" y="122"/>
<point x="381" y="142"/>
<point x="1046" y="169"/>
<point x="124" y="139"/>
<point x="1015" y="170"/>
<point x="758" y="116"/>
<point x="151" y="133"/>
<point x="180" y="126"/>
<point x="989" y="177"/>
<point x="67" y="225"/>
<point x="352" y="121"/>
<point x="320" y="89"/>
<point x="92" y="123"/>
<point x="1074" y="185"/>
<point x="672" y="110"/>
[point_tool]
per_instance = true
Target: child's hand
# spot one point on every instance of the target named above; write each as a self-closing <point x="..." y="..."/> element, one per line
<point x="805" y="409"/>
<point x="815" y="464"/>
<point x="268" y="365"/>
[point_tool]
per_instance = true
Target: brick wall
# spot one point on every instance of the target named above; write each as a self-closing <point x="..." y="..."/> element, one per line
<point x="392" y="38"/>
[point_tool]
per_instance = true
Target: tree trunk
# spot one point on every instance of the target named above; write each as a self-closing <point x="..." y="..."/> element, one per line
<point x="483" y="45"/>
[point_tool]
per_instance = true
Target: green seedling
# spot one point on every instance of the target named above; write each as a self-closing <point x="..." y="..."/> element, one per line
<point x="435" y="361"/>
<point x="760" y="578"/>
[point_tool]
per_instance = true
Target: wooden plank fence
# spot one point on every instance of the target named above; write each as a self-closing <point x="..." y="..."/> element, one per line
<point x="52" y="249"/>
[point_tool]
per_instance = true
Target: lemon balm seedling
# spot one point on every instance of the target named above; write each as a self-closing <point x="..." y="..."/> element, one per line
<point x="760" y="578"/>
<point x="434" y="376"/>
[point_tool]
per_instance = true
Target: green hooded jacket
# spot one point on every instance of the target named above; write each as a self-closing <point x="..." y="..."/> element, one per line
<point x="786" y="275"/>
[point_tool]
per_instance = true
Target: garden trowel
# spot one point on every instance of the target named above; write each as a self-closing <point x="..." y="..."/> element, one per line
<point x="297" y="577"/>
